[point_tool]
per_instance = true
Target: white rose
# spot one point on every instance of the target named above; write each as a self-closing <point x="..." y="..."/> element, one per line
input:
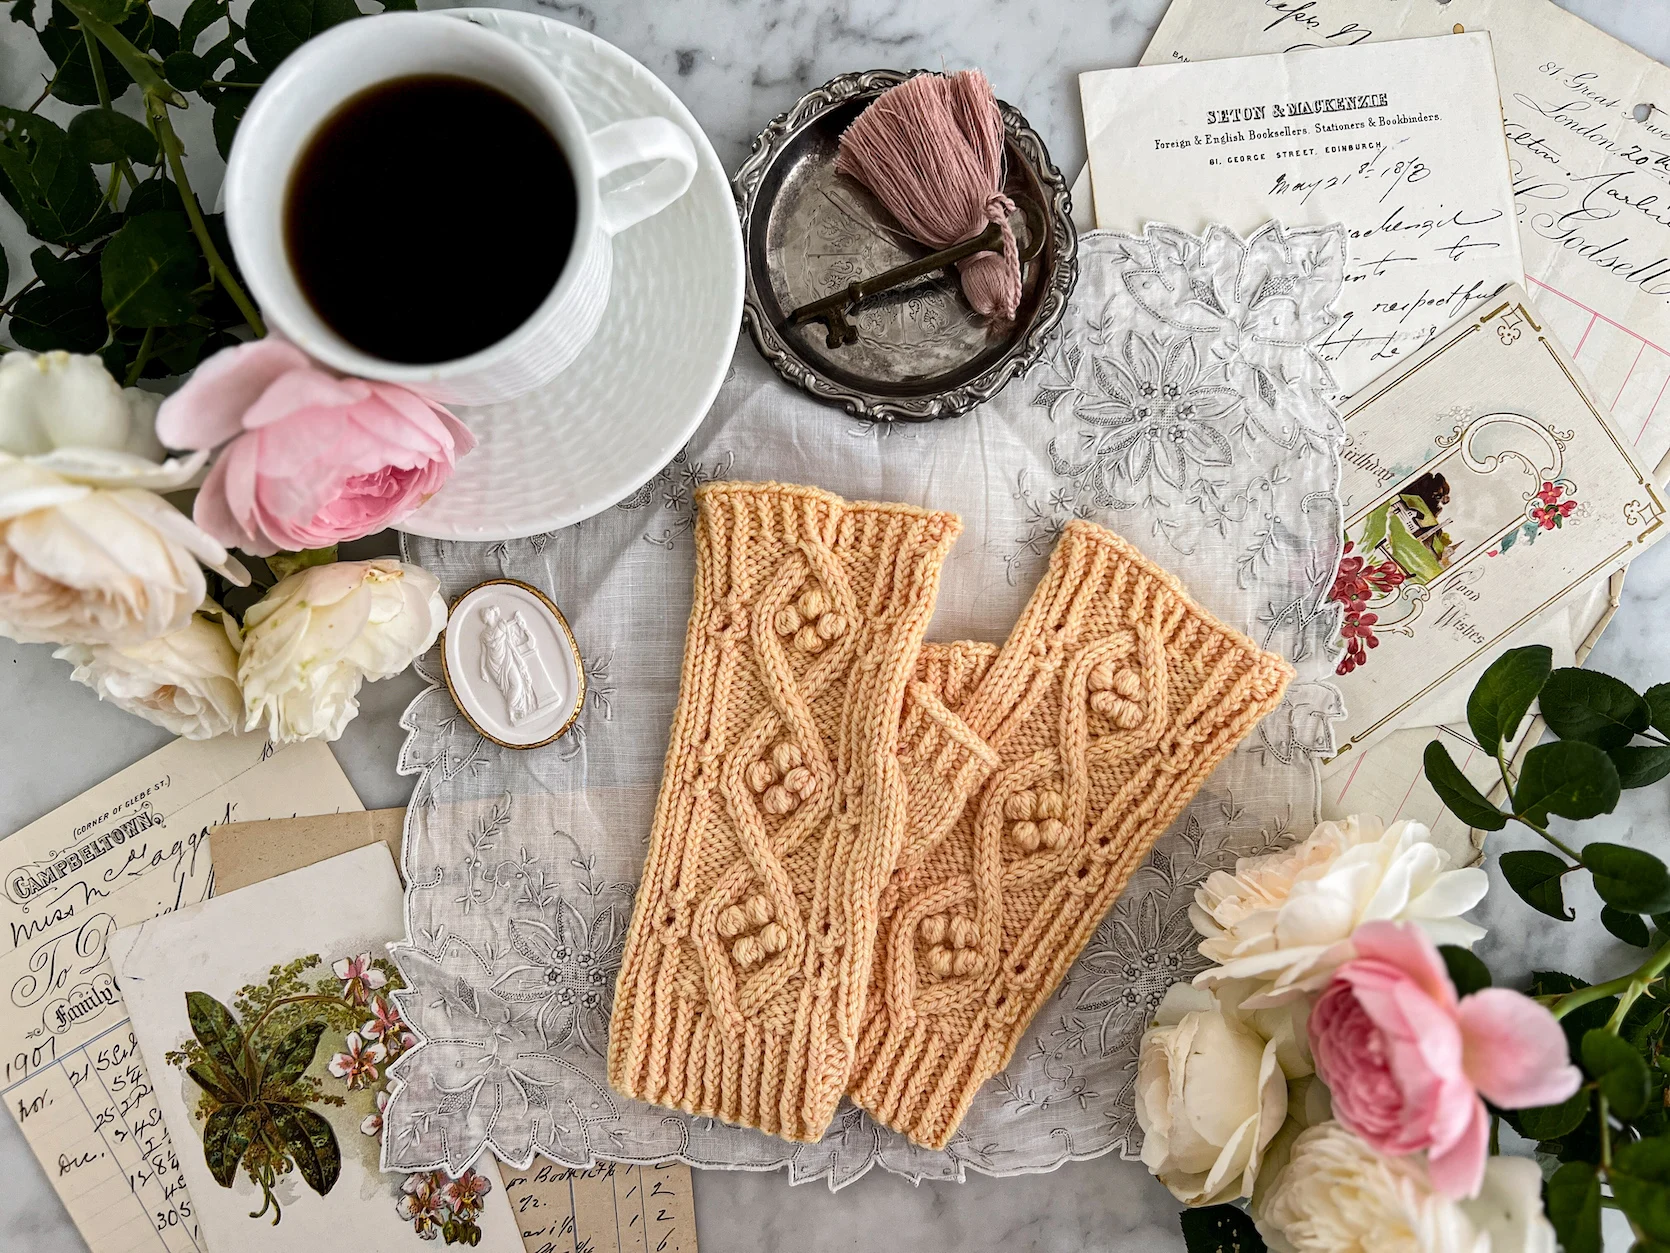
<point x="1210" y="1095"/>
<point x="1285" y="919"/>
<point x="63" y="400"/>
<point x="90" y="554"/>
<point x="1337" y="1195"/>
<point x="309" y="643"/>
<point x="186" y="681"/>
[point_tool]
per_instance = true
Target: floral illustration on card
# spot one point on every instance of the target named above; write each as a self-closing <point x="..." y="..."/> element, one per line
<point x="1554" y="502"/>
<point x="268" y="1068"/>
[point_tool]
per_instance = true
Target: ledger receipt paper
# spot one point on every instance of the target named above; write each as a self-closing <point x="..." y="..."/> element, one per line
<point x="1400" y="142"/>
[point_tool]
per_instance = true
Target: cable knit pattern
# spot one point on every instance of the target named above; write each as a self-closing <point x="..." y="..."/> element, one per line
<point x="782" y="804"/>
<point x="1111" y="702"/>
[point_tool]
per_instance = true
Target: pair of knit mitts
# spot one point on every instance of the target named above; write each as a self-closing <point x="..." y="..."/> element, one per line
<point x="873" y="859"/>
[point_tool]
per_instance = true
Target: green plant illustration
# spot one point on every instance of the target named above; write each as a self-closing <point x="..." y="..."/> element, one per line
<point x="258" y="1104"/>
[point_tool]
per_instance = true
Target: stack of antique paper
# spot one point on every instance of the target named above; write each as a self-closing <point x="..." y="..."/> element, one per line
<point x="1505" y="443"/>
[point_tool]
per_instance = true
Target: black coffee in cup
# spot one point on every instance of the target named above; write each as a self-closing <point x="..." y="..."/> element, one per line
<point x="429" y="217"/>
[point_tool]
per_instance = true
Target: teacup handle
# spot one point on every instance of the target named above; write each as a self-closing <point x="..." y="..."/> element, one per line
<point x="621" y="144"/>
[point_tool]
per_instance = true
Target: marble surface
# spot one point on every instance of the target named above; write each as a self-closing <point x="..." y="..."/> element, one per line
<point x="736" y="63"/>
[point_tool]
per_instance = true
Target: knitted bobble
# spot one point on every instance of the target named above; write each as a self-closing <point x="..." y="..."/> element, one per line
<point x="808" y="640"/>
<point x="813" y="604"/>
<point x="965" y="962"/>
<point x="785" y="756"/>
<point x="800" y="781"/>
<point x="1020" y="805"/>
<point x="732" y="921"/>
<point x="747" y="951"/>
<point x="778" y="800"/>
<point x="758" y="910"/>
<point x="1113" y="694"/>
<point x="1050" y="805"/>
<point x="963" y="932"/>
<point x="832" y="626"/>
<point x="1026" y="835"/>
<point x="761" y="776"/>
<point x="939" y="961"/>
<point x="933" y="928"/>
<point x="1052" y="833"/>
<point x="773" y="937"/>
<point x="787" y="621"/>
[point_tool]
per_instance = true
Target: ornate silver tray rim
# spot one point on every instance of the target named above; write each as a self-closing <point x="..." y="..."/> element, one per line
<point x="1062" y="249"/>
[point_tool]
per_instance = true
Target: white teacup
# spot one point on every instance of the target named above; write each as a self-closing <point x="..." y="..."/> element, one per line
<point x="346" y="60"/>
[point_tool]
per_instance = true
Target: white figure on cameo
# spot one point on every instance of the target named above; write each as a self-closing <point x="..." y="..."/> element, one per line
<point x="510" y="661"/>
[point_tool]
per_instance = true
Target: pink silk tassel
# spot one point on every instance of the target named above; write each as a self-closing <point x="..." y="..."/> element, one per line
<point x="931" y="149"/>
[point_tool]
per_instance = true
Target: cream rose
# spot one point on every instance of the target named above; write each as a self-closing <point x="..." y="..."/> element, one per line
<point x="89" y="554"/>
<point x="311" y="641"/>
<point x="1285" y="919"/>
<point x="63" y="400"/>
<point x="1337" y="1195"/>
<point x="186" y="681"/>
<point x="1210" y="1096"/>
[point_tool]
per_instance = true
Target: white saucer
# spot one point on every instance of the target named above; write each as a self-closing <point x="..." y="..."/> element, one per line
<point x="609" y="422"/>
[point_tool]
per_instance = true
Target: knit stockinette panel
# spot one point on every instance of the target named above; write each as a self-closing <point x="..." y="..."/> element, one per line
<point x="782" y="806"/>
<point x="1109" y="705"/>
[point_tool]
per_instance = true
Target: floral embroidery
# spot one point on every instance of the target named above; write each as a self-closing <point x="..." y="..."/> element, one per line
<point x="569" y="971"/>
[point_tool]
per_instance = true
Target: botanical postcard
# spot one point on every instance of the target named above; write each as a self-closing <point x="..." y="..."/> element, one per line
<point x="1588" y="147"/>
<point x="1481" y="482"/>
<point x="1399" y="142"/>
<point x="269" y="1020"/>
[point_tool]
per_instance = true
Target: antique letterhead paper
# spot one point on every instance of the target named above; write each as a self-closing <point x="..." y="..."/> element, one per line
<point x="132" y="848"/>
<point x="267" y="1018"/>
<point x="1481" y="482"/>
<point x="1589" y="145"/>
<point x="1402" y="143"/>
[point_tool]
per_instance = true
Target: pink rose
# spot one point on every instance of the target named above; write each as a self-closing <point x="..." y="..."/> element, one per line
<point x="310" y="458"/>
<point x="1406" y="1062"/>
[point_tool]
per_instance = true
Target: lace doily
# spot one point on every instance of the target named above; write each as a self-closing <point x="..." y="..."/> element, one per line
<point x="1180" y="406"/>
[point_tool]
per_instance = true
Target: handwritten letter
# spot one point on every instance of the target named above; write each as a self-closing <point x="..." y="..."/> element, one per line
<point x="134" y="848"/>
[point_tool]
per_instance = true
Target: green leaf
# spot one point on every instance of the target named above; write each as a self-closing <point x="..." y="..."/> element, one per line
<point x="49" y="318"/>
<point x="1627" y="878"/>
<point x="104" y="136"/>
<point x="218" y="1032"/>
<point x="152" y="195"/>
<point x="228" y="113"/>
<point x="186" y="70"/>
<point x="1467" y="972"/>
<point x="1623" y="1077"/>
<point x="1627" y="927"/>
<point x="112" y="11"/>
<point x="294" y="1054"/>
<point x="1640" y="1178"/>
<point x="1658" y="706"/>
<point x="1220" y="1229"/>
<point x="1457" y="792"/>
<point x="165" y="38"/>
<point x="1640" y="765"/>
<point x="1534" y="874"/>
<point x="150" y="269"/>
<point x="1574" y="1207"/>
<point x="199" y="16"/>
<point x="1550" y="1122"/>
<point x="225" y="1139"/>
<point x="52" y="189"/>
<point x="1586" y="705"/>
<point x="1504" y="693"/>
<point x="214" y="1084"/>
<point x="66" y="271"/>
<point x="283" y="565"/>
<point x="72" y="78"/>
<point x="312" y="1145"/>
<point x="276" y="28"/>
<point x="1569" y="778"/>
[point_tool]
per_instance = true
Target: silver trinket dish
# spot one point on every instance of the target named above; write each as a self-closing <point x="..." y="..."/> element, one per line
<point x="920" y="351"/>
